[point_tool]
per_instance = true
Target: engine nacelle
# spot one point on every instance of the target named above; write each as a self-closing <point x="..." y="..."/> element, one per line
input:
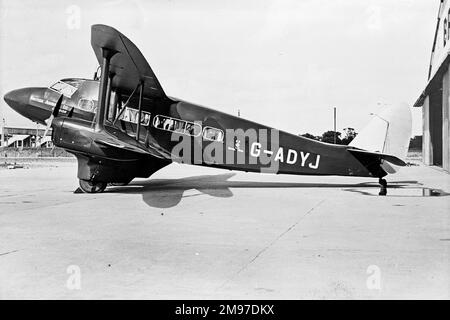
<point x="97" y="162"/>
<point x="73" y="135"/>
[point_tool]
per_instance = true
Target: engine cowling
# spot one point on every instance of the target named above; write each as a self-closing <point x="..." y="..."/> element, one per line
<point x="97" y="162"/>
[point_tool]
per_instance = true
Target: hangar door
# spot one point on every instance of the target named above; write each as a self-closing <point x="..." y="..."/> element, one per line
<point x="435" y="124"/>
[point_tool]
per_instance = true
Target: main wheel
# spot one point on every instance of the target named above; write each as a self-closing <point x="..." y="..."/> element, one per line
<point x="92" y="187"/>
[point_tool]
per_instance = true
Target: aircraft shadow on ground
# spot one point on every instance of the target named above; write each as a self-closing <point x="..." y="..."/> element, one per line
<point x="167" y="193"/>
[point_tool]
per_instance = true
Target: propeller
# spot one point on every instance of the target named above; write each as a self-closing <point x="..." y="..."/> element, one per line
<point x="69" y="115"/>
<point x="54" y="114"/>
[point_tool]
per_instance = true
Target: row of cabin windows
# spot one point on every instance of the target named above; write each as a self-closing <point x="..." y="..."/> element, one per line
<point x="69" y="86"/>
<point x="186" y="127"/>
<point x="132" y="115"/>
<point x="172" y="124"/>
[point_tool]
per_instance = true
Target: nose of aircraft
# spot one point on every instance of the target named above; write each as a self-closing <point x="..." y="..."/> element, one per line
<point x="19" y="100"/>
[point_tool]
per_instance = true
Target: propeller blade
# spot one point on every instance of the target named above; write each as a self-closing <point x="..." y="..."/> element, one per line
<point x="69" y="115"/>
<point x="55" y="112"/>
<point x="57" y="106"/>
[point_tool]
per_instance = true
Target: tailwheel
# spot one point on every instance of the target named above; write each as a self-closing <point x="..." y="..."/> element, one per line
<point x="92" y="187"/>
<point x="383" y="189"/>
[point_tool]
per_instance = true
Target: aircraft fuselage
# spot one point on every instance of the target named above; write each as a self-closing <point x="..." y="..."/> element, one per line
<point x="232" y="142"/>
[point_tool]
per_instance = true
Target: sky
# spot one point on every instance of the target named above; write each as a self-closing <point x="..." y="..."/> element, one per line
<point x="285" y="64"/>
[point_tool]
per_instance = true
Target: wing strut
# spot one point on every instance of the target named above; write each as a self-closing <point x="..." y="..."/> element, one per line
<point x="103" y="91"/>
<point x="125" y="105"/>
<point x="108" y="95"/>
<point x="141" y="93"/>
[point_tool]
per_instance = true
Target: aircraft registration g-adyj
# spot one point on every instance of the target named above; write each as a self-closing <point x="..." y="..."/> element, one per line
<point x="121" y="125"/>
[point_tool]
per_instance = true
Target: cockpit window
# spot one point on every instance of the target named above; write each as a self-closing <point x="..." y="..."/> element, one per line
<point x="74" y="82"/>
<point x="64" y="88"/>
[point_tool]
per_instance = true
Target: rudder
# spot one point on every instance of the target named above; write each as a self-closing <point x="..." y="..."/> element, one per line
<point x="388" y="132"/>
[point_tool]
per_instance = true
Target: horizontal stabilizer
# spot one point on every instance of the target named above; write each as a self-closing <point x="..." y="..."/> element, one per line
<point x="382" y="156"/>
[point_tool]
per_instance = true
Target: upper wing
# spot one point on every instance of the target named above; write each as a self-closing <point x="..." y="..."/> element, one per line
<point x="128" y="64"/>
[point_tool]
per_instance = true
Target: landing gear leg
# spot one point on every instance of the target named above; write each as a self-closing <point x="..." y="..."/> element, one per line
<point x="92" y="187"/>
<point x="383" y="189"/>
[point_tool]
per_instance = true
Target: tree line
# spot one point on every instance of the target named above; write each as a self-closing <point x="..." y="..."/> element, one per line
<point x="328" y="136"/>
<point x="350" y="134"/>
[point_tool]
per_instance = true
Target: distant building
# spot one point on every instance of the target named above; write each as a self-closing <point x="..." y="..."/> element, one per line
<point x="435" y="99"/>
<point x="24" y="138"/>
<point x="415" y="144"/>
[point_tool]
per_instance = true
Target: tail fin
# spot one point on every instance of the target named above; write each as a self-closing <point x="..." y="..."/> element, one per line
<point x="389" y="132"/>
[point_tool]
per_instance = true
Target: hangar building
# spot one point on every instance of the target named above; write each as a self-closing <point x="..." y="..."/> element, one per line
<point x="435" y="99"/>
<point x="24" y="138"/>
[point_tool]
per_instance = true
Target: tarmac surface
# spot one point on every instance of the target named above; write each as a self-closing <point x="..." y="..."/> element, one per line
<point x="200" y="233"/>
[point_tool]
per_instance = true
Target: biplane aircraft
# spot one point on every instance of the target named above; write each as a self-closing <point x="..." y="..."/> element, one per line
<point x="121" y="125"/>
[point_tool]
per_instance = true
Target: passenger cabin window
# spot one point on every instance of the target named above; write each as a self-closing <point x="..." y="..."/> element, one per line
<point x="193" y="129"/>
<point x="86" y="105"/>
<point x="212" y="134"/>
<point x="176" y="125"/>
<point x="132" y="115"/>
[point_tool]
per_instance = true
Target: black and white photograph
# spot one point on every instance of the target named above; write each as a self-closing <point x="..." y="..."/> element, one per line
<point x="225" y="151"/>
